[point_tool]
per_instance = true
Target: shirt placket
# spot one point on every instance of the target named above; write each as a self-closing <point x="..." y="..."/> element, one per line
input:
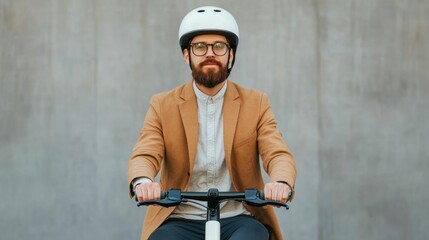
<point x="211" y="147"/>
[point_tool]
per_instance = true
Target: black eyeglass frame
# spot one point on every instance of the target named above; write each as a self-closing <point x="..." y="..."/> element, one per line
<point x="191" y="46"/>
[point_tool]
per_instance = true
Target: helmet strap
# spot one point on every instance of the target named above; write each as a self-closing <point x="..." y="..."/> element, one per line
<point x="189" y="54"/>
<point x="232" y="63"/>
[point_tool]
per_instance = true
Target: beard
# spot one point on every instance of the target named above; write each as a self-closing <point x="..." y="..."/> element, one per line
<point x="211" y="77"/>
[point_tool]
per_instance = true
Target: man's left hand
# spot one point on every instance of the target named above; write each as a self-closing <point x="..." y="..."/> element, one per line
<point x="277" y="191"/>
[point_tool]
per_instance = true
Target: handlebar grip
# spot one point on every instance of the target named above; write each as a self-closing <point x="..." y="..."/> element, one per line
<point x="261" y="194"/>
<point x="163" y="195"/>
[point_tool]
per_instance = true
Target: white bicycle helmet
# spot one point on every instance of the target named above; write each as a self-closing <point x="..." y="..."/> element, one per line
<point x="209" y="20"/>
<point x="206" y="20"/>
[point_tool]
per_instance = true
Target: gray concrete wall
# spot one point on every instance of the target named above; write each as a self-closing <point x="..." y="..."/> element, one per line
<point x="348" y="81"/>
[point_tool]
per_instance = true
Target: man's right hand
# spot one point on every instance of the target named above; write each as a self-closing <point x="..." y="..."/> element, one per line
<point x="148" y="191"/>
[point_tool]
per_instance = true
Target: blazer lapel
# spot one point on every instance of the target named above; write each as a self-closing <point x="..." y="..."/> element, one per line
<point x="189" y="115"/>
<point x="231" y="109"/>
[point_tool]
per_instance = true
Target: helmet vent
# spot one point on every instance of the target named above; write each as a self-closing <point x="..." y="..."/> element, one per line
<point x="202" y="10"/>
<point x="217" y="10"/>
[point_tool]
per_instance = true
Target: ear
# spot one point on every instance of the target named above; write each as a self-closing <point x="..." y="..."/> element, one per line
<point x="186" y="55"/>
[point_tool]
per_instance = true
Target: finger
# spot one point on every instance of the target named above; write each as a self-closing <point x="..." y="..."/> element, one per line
<point x="267" y="192"/>
<point x="282" y="196"/>
<point x="157" y="192"/>
<point x="150" y="189"/>
<point x="139" y="193"/>
<point x="286" y="194"/>
<point x="285" y="197"/>
<point x="144" y="190"/>
<point x="278" y="192"/>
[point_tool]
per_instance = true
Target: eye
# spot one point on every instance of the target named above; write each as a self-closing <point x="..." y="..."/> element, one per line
<point x="199" y="46"/>
<point x="219" y="46"/>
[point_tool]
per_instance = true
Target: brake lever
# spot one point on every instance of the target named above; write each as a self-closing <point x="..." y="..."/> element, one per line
<point x="260" y="203"/>
<point x="164" y="202"/>
<point x="255" y="198"/>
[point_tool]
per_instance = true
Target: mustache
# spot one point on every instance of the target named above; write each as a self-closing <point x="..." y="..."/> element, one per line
<point x="210" y="61"/>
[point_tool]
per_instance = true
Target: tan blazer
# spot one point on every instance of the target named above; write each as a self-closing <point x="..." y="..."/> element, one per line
<point x="168" y="143"/>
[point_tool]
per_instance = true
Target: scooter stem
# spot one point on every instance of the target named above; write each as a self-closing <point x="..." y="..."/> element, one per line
<point x="212" y="230"/>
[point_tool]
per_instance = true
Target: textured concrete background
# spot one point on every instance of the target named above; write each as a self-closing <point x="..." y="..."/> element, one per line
<point x="348" y="81"/>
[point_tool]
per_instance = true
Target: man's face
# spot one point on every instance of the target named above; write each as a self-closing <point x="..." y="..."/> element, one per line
<point x="209" y="69"/>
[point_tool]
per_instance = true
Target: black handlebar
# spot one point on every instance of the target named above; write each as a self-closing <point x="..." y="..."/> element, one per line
<point x="213" y="197"/>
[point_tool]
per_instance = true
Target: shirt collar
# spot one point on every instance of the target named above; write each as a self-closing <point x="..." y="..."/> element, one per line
<point x="205" y="98"/>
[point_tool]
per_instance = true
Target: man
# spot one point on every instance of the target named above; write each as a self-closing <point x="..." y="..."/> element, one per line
<point x="209" y="133"/>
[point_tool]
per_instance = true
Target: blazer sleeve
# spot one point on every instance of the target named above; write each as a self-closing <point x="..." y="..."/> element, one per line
<point x="147" y="154"/>
<point x="277" y="158"/>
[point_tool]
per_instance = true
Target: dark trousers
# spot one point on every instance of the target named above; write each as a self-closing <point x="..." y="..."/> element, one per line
<point x="233" y="228"/>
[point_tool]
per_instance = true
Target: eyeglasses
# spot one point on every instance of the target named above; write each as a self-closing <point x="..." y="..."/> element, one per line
<point x="201" y="48"/>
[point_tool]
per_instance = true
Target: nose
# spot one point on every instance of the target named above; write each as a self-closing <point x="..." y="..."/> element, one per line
<point x="210" y="51"/>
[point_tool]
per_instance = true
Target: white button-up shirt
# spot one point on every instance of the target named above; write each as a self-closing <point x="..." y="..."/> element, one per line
<point x="210" y="169"/>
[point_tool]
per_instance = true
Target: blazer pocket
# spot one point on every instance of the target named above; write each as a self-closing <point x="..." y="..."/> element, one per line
<point x="243" y="142"/>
